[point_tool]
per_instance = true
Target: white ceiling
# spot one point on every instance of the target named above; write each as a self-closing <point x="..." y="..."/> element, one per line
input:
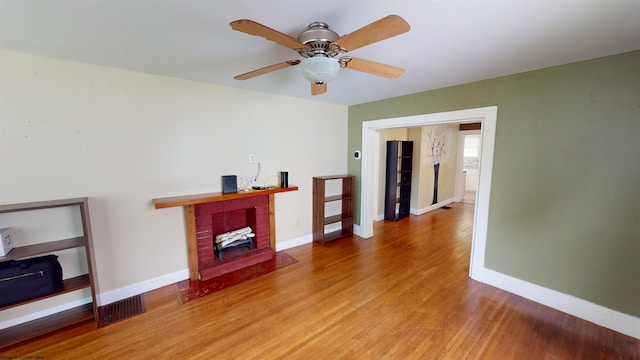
<point x="450" y="42"/>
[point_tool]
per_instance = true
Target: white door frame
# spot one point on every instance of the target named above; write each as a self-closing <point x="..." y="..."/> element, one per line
<point x="612" y="319"/>
<point x="488" y="117"/>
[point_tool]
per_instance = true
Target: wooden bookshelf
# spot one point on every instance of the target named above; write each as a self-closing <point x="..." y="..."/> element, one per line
<point x="322" y="220"/>
<point x="59" y="320"/>
<point x="397" y="198"/>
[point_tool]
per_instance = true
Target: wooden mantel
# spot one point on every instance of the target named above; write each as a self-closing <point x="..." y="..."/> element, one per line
<point x="189" y="202"/>
<point x="185" y="200"/>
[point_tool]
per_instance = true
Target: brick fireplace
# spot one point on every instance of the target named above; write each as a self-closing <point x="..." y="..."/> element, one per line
<point x="207" y="215"/>
<point x="223" y="216"/>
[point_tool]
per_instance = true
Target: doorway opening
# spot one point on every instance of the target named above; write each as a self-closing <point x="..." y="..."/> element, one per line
<point x="487" y="116"/>
<point x="469" y="154"/>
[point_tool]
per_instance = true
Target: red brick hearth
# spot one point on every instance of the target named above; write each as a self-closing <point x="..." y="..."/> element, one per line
<point x="219" y="217"/>
<point x="208" y="215"/>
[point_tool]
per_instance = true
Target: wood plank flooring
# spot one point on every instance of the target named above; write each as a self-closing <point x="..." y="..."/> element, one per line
<point x="403" y="294"/>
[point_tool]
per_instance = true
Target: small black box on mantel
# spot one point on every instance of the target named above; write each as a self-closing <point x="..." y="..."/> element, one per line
<point x="229" y="183"/>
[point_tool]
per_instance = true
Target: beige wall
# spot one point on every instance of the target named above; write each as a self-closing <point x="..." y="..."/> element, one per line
<point x="419" y="187"/>
<point x="425" y="176"/>
<point x="123" y="138"/>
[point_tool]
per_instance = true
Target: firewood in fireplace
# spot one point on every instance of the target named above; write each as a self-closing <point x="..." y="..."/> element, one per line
<point x="230" y="237"/>
<point x="235" y="233"/>
<point x="230" y="241"/>
<point x="233" y="239"/>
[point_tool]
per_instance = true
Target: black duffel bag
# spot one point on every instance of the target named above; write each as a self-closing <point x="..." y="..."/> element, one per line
<point x="29" y="278"/>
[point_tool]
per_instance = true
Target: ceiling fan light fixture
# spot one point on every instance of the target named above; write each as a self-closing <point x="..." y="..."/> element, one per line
<point x="319" y="69"/>
<point x="319" y="46"/>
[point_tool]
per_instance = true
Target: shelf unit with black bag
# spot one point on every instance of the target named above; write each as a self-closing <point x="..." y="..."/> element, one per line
<point x="42" y="255"/>
<point x="397" y="197"/>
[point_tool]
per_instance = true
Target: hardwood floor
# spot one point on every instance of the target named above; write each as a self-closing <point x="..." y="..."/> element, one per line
<point x="403" y="294"/>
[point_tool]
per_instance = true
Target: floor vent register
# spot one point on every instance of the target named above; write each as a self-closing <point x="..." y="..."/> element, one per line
<point x="121" y="310"/>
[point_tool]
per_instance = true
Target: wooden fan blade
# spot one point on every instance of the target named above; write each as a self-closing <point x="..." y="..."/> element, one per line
<point x="267" y="69"/>
<point x="372" y="67"/>
<point x="253" y="28"/>
<point x="318" y="88"/>
<point x="384" y="28"/>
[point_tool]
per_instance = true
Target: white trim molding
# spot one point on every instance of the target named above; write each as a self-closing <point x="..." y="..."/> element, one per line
<point x="597" y="314"/>
<point x="104" y="298"/>
<point x="486" y="115"/>
<point x="432" y="207"/>
<point x="288" y="244"/>
<point x="303" y="240"/>
<point x="46" y="312"/>
<point x="141" y="287"/>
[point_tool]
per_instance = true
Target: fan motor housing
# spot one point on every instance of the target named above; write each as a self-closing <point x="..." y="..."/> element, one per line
<point x="319" y="37"/>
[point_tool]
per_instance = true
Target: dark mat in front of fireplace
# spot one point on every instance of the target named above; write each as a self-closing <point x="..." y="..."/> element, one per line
<point x="189" y="290"/>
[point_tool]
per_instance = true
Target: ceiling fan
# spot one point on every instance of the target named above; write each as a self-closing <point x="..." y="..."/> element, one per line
<point x="319" y="46"/>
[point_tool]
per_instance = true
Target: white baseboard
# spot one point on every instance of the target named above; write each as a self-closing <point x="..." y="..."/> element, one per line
<point x="432" y="207"/>
<point x="141" y="287"/>
<point x="152" y="284"/>
<point x="306" y="239"/>
<point x="46" y="312"/>
<point x="597" y="314"/>
<point x="104" y="298"/>
<point x="284" y="245"/>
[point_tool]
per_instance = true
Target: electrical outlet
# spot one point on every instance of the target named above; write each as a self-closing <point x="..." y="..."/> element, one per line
<point x="252" y="158"/>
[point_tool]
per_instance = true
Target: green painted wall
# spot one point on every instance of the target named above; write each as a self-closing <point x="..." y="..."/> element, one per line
<point x="565" y="199"/>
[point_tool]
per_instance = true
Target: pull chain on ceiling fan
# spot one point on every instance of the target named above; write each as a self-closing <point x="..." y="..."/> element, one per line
<point x="319" y="46"/>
